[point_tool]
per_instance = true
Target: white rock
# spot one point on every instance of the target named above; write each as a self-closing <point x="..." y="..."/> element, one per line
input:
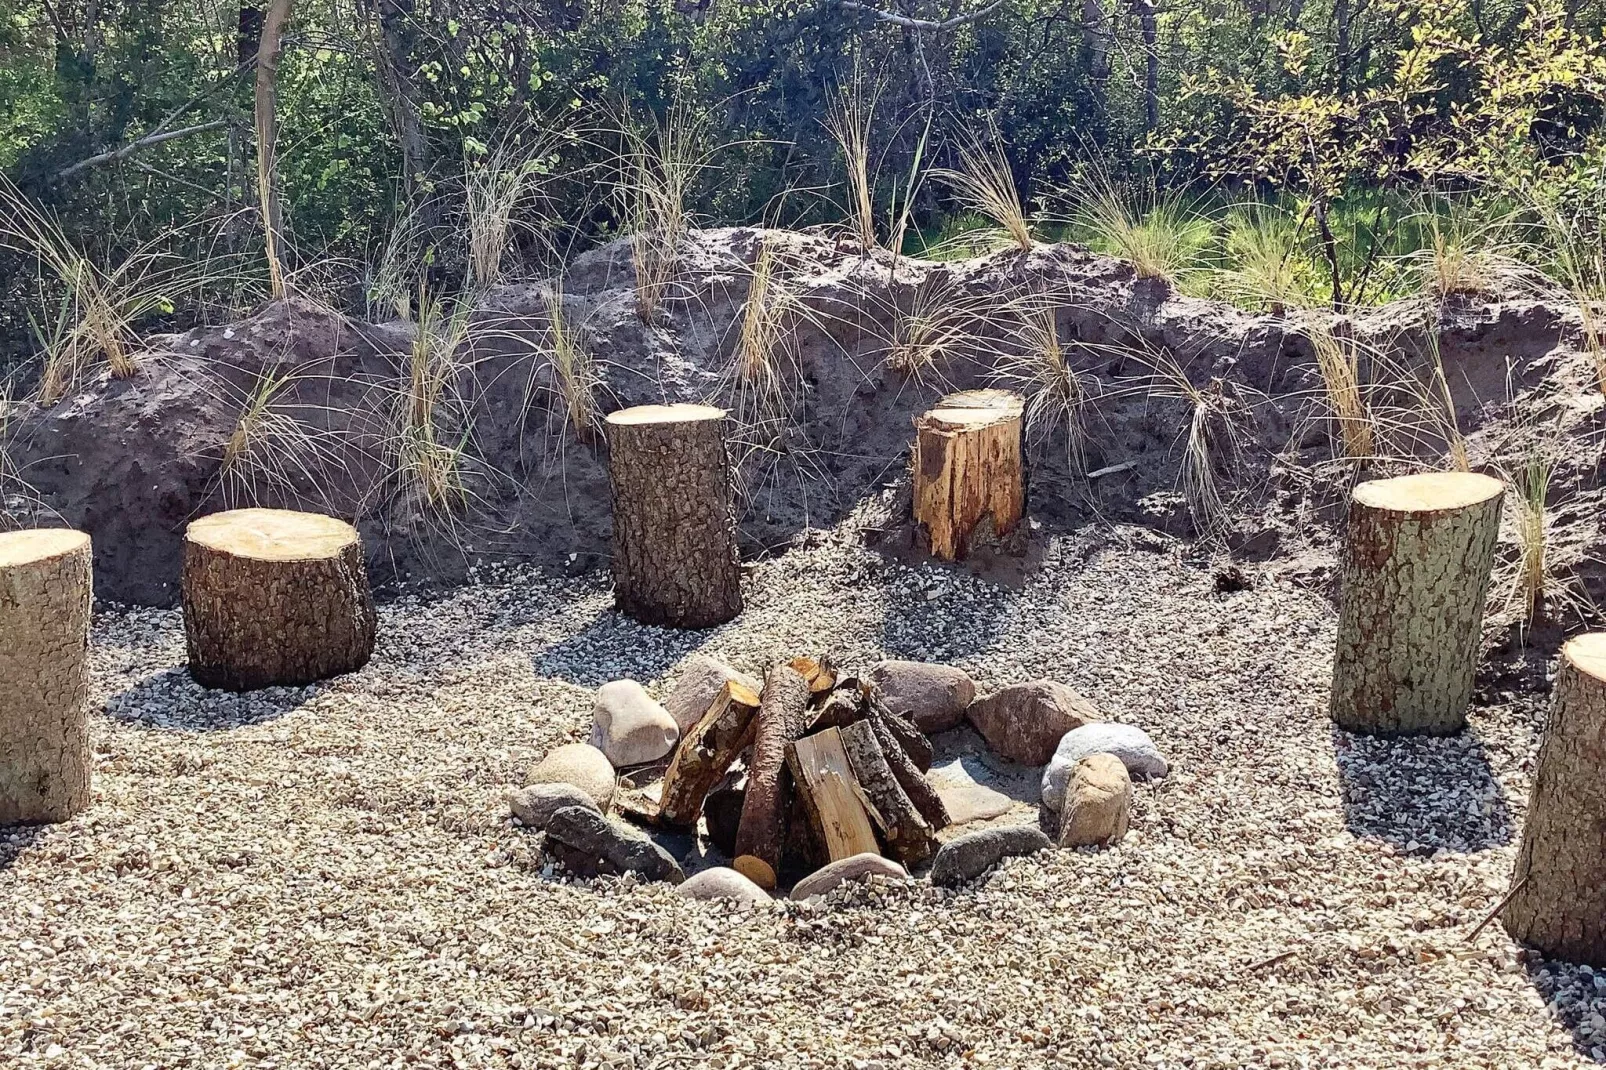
<point x="1127" y="742"/>
<point x="721" y="882"/>
<point x="582" y="765"/>
<point x="629" y="727"/>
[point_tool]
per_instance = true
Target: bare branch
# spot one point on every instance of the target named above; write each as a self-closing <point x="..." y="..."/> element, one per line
<point x="923" y="24"/>
<point x="148" y="141"/>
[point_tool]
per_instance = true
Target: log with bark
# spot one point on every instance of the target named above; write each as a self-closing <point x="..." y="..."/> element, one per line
<point x="908" y="835"/>
<point x="914" y="742"/>
<point x="968" y="468"/>
<point x="830" y="794"/>
<point x="1416" y="569"/>
<point x="782" y="716"/>
<point x="45" y="596"/>
<point x="910" y="779"/>
<point x="705" y="752"/>
<point x="675" y="560"/>
<point x="1557" y="901"/>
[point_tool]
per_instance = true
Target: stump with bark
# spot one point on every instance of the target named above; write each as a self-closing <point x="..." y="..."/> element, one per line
<point x="1558" y="892"/>
<point x="45" y="596"/>
<point x="675" y="560"/>
<point x="274" y="598"/>
<point x="968" y="469"/>
<point x="1416" y="570"/>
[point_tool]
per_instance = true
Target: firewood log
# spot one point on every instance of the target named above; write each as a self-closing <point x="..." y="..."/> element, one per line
<point x="841" y="708"/>
<point x="911" y="780"/>
<point x="706" y="752"/>
<point x="907" y="834"/>
<point x="831" y="795"/>
<point x="911" y="739"/>
<point x="782" y="715"/>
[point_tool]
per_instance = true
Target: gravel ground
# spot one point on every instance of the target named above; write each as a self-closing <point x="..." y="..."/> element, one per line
<point x="326" y="877"/>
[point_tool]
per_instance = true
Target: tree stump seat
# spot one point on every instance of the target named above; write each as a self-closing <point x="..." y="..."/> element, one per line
<point x="274" y="598"/>
<point x="968" y="468"/>
<point x="45" y="597"/>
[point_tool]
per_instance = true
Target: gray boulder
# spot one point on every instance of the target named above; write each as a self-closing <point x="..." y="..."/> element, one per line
<point x="721" y="882"/>
<point x="535" y="805"/>
<point x="969" y="856"/>
<point x="589" y="844"/>
<point x="694" y="692"/>
<point x="1127" y="742"/>
<point x="934" y="696"/>
<point x="1025" y="722"/>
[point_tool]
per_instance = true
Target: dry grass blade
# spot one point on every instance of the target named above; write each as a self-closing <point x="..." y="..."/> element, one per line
<point x="937" y="326"/>
<point x="1039" y="367"/>
<point x="657" y="171"/>
<point x="1469" y="257"/>
<point x="1211" y="437"/>
<point x="1338" y="360"/>
<point x="766" y="347"/>
<point x="428" y="431"/>
<point x="985" y="184"/>
<point x="849" y="120"/>
<point x="272" y="452"/>
<point x="495" y="189"/>
<point x="573" y="371"/>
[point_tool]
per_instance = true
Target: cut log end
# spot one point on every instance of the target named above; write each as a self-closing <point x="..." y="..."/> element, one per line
<point x="1428" y="492"/>
<point x="39" y="544"/>
<point x="756" y="870"/>
<point x="1587" y="654"/>
<point x="681" y="413"/>
<point x="273" y="535"/>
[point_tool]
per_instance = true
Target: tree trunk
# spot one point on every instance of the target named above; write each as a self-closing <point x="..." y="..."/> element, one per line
<point x="675" y="560"/>
<point x="1415" y="573"/>
<point x="394" y="63"/>
<point x="1558" y="897"/>
<point x="830" y="795"/>
<point x="274" y="598"/>
<point x="1151" y="64"/>
<point x="706" y="752"/>
<point x="782" y="713"/>
<point x="968" y="468"/>
<point x="907" y="833"/>
<point x="45" y="595"/>
<point x="267" y="131"/>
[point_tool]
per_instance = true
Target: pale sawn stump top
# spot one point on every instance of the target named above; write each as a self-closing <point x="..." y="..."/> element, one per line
<point x="1587" y="653"/>
<point x="272" y="534"/>
<point x="1428" y="492"/>
<point x="39" y="544"/>
<point x="679" y="413"/>
<point x="970" y="409"/>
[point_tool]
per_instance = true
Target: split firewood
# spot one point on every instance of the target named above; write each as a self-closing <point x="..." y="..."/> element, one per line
<point x="640" y="805"/>
<point x="706" y="752"/>
<point x="819" y="672"/>
<point x="913" y="741"/>
<point x="829" y="792"/>
<point x="782" y="715"/>
<point x="907" y="833"/>
<point x="910" y="779"/>
<point x="841" y="708"/>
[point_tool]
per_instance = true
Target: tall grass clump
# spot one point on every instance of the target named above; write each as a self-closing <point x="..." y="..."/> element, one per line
<point x="1466" y="255"/>
<point x="1210" y="436"/>
<point x="573" y="370"/>
<point x="269" y="449"/>
<point x="849" y="118"/>
<point x="1266" y="263"/>
<point x="658" y="168"/>
<point x="1338" y="361"/>
<point x="765" y="352"/>
<point x="1162" y="235"/>
<point x="428" y="430"/>
<point x="985" y="184"/>
<point x="1039" y="366"/>
<point x="1578" y="261"/>
<point x="99" y="307"/>
<point x="495" y="189"/>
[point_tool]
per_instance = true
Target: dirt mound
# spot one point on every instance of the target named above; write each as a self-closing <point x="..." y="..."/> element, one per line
<point x="298" y="407"/>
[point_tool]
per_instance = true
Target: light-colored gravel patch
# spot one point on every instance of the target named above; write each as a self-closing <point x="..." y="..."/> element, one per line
<point x="326" y="877"/>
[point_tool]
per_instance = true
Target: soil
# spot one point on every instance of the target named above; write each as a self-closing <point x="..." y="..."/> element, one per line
<point x="132" y="461"/>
